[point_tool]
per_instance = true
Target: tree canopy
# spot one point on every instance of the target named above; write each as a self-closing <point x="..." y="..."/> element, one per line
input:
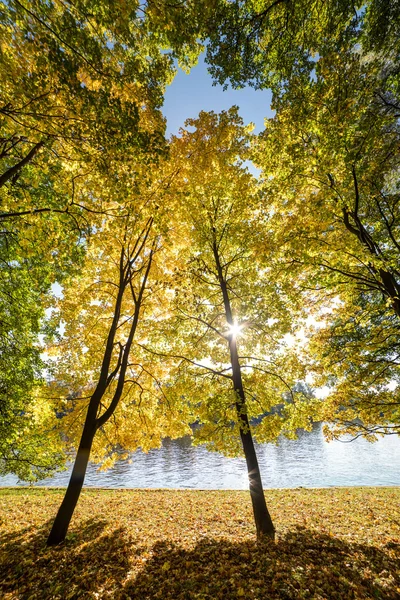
<point x="268" y="43"/>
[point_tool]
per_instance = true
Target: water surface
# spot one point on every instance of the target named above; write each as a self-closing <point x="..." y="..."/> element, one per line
<point x="309" y="461"/>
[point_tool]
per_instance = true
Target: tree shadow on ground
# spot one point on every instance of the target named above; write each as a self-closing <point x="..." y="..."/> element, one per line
<point x="303" y="564"/>
<point x="90" y="561"/>
<point x="99" y="560"/>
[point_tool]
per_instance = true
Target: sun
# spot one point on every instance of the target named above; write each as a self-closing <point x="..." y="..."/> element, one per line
<point x="234" y="329"/>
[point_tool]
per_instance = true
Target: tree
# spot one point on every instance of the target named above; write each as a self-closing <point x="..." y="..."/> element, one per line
<point x="296" y="49"/>
<point x="81" y="86"/>
<point x="31" y="259"/>
<point x="110" y="395"/>
<point x="83" y="75"/>
<point x="80" y="97"/>
<point x="229" y="384"/>
<point x="81" y="91"/>
<point x="120" y="307"/>
<point x="329" y="160"/>
<point x="272" y="43"/>
<point x="28" y="446"/>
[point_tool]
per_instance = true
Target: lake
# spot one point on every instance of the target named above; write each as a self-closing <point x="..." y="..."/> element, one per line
<point x="308" y="462"/>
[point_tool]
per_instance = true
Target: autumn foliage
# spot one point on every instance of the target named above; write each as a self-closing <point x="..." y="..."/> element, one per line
<point x="186" y="545"/>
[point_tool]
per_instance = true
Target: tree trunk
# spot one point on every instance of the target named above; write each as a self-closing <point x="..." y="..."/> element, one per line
<point x="262" y="518"/>
<point x="66" y="510"/>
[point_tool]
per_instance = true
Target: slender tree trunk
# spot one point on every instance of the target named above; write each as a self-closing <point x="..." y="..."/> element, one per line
<point x="66" y="510"/>
<point x="262" y="517"/>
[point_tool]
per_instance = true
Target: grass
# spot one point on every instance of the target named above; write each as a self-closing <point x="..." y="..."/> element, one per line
<point x="338" y="543"/>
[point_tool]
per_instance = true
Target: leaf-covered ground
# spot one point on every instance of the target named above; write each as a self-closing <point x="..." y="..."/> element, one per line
<point x="184" y="545"/>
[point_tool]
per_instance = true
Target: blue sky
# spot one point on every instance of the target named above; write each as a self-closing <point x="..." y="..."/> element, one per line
<point x="189" y="94"/>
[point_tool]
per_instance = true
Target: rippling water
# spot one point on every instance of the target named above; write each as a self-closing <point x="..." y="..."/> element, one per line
<point x="309" y="462"/>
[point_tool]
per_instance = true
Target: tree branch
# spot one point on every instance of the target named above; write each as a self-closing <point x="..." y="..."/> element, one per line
<point x="12" y="171"/>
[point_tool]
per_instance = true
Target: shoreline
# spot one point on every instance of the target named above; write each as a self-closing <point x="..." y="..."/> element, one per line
<point x="167" y="489"/>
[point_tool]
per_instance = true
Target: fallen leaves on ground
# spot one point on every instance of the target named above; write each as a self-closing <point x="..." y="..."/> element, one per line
<point x="333" y="543"/>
